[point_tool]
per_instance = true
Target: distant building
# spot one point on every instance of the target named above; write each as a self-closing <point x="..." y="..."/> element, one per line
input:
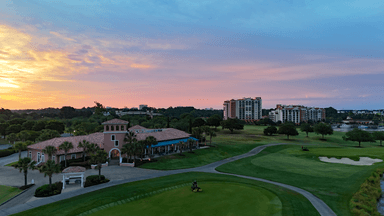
<point x="244" y="109"/>
<point x="141" y="106"/>
<point x="296" y="113"/>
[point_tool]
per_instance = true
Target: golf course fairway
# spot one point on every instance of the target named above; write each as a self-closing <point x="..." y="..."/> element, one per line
<point x="216" y="199"/>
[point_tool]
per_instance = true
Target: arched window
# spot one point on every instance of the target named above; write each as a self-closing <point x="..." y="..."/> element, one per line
<point x="107" y="128"/>
<point x="112" y="128"/>
<point x="117" y="127"/>
<point x="122" y="127"/>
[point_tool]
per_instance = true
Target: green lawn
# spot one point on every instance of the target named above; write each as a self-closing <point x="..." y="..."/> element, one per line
<point x="333" y="183"/>
<point x="7" y="193"/>
<point x="235" y="199"/>
<point x="219" y="193"/>
<point x="11" y="164"/>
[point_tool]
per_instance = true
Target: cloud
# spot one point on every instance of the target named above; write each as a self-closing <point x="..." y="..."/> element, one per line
<point x="61" y="36"/>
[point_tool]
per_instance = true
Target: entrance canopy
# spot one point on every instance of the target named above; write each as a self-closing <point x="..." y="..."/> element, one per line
<point x="170" y="142"/>
<point x="73" y="172"/>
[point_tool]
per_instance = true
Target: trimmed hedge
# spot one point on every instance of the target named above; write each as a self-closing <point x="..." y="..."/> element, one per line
<point x="46" y="190"/>
<point x="94" y="180"/>
<point x="7" y="152"/>
<point x="76" y="162"/>
<point x="364" y="201"/>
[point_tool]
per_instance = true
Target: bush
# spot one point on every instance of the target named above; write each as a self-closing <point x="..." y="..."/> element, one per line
<point x="47" y="190"/>
<point x="6" y="152"/>
<point x="94" y="180"/>
<point x="126" y="160"/>
<point x="74" y="162"/>
<point x="364" y="201"/>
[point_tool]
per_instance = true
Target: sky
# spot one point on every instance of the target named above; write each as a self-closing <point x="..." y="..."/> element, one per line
<point x="191" y="53"/>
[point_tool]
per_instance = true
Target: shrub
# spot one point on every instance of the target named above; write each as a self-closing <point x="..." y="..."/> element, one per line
<point x="6" y="152"/>
<point x="47" y="190"/>
<point x="364" y="201"/>
<point x="94" y="180"/>
<point x="70" y="162"/>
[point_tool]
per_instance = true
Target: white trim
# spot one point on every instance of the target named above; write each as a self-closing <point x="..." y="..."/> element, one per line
<point x="109" y="155"/>
<point x="42" y="157"/>
<point x="30" y="154"/>
<point x="114" y="136"/>
<point x="114" y="143"/>
<point x="72" y="156"/>
<point x="38" y="157"/>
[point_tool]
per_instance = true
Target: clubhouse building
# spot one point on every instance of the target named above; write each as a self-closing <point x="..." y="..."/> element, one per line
<point x="111" y="141"/>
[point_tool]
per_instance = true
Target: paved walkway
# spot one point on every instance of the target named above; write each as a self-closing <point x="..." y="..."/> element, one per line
<point x="11" y="158"/>
<point x="320" y="206"/>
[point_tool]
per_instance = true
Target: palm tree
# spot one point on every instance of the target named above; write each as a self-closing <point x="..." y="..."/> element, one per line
<point x="49" y="150"/>
<point x="130" y="137"/>
<point x="66" y="146"/>
<point x="49" y="168"/>
<point x="211" y="134"/>
<point x="92" y="148"/>
<point x="24" y="165"/>
<point x="136" y="149"/>
<point x="128" y="149"/>
<point x="181" y="147"/>
<point x="207" y="130"/>
<point x="84" y="145"/>
<point x="99" y="158"/>
<point x="19" y="146"/>
<point x="190" y="144"/>
<point x="149" y="141"/>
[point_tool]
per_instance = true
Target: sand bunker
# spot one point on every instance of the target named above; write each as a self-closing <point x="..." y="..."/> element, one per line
<point x="364" y="161"/>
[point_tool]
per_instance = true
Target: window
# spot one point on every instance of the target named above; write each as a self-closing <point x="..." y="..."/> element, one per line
<point x="112" y="128"/>
<point x="61" y="158"/>
<point x="38" y="157"/>
<point x="30" y="155"/>
<point x="117" y="127"/>
<point x="42" y="157"/>
<point x="107" y="128"/>
<point x="73" y="156"/>
<point x="113" y="137"/>
<point x="53" y="158"/>
<point x="122" y="127"/>
<point x="116" y="143"/>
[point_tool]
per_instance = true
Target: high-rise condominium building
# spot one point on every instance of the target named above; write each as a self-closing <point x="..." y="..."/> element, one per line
<point x="244" y="109"/>
<point x="296" y="113"/>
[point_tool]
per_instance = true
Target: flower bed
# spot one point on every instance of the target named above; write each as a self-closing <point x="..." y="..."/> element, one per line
<point x="47" y="190"/>
<point x="94" y="180"/>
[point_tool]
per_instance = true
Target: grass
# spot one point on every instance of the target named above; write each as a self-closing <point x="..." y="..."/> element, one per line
<point x="292" y="203"/>
<point x="333" y="183"/>
<point x="7" y="193"/>
<point x="235" y="199"/>
<point x="3" y="141"/>
<point x="12" y="164"/>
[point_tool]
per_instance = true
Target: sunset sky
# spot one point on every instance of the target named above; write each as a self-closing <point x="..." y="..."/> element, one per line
<point x="191" y="53"/>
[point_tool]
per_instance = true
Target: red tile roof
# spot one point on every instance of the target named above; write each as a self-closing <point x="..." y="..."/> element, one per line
<point x="165" y="134"/>
<point x="115" y="121"/>
<point x="97" y="138"/>
<point x="73" y="169"/>
<point x="137" y="127"/>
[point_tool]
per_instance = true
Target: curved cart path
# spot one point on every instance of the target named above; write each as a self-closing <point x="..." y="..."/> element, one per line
<point x="320" y="206"/>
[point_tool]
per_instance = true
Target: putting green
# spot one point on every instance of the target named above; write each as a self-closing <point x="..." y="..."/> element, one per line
<point x="216" y="199"/>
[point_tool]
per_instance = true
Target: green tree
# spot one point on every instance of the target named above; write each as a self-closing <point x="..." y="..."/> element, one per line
<point x="49" y="150"/>
<point x="358" y="135"/>
<point x="3" y="129"/>
<point x="28" y="125"/>
<point x="181" y="147"/>
<point x="99" y="108"/>
<point x="40" y="125"/>
<point x="33" y="135"/>
<point x="206" y="130"/>
<point x="47" y="134"/>
<point x="127" y="149"/>
<point x="214" y="121"/>
<point x="15" y="128"/>
<point x="378" y="135"/>
<point x="198" y="122"/>
<point x="307" y="128"/>
<point x="23" y="135"/>
<point x="130" y="137"/>
<point x="269" y="131"/>
<point x="92" y="148"/>
<point x="211" y="134"/>
<point x="190" y="143"/>
<point x="85" y="144"/>
<point x="17" y="121"/>
<point x="12" y="138"/>
<point x="25" y="164"/>
<point x="232" y="124"/>
<point x="55" y="125"/>
<point x="67" y="112"/>
<point x="66" y="146"/>
<point x="323" y="129"/>
<point x="288" y="129"/>
<point x="197" y="132"/>
<point x="99" y="158"/>
<point x="49" y="168"/>
<point x="19" y="146"/>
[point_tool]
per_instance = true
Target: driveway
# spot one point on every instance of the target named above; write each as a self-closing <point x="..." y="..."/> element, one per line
<point x="12" y="158"/>
<point x="4" y="146"/>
